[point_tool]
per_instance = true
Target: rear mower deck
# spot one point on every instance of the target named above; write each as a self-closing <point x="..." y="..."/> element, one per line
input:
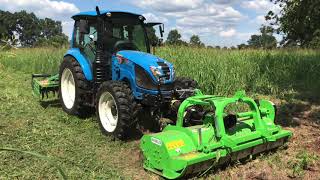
<point x="220" y="138"/>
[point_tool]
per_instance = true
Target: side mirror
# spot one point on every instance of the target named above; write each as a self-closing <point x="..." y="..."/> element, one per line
<point x="161" y="30"/>
<point x="84" y="27"/>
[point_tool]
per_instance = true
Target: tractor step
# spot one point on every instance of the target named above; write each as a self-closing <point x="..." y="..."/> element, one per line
<point x="45" y="85"/>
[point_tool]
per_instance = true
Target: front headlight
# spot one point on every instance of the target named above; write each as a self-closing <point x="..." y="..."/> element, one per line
<point x="144" y="80"/>
<point x="173" y="74"/>
<point x="155" y="72"/>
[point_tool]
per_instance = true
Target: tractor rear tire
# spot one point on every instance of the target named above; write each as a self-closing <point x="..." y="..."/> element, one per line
<point x="116" y="109"/>
<point x="73" y="88"/>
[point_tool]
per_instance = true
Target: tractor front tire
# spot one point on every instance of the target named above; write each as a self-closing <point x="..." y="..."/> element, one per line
<point x="73" y="88"/>
<point x="116" y="109"/>
<point x="185" y="83"/>
<point x="186" y="87"/>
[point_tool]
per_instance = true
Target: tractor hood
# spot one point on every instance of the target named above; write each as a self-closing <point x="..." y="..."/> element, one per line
<point x="146" y="60"/>
<point x="143" y="59"/>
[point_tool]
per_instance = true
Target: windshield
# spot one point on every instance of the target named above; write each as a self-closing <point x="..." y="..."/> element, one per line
<point x="126" y="34"/>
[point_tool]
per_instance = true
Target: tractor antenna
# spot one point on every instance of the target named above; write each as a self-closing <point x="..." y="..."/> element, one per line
<point x="98" y="11"/>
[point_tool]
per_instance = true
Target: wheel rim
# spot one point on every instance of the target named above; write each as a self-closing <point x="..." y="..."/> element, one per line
<point x="108" y="112"/>
<point x="68" y="89"/>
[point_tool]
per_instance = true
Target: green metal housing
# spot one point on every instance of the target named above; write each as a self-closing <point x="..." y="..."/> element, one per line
<point x="180" y="150"/>
<point x="43" y="84"/>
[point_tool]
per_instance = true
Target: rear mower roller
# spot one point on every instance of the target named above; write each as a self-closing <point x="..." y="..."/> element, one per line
<point x="220" y="138"/>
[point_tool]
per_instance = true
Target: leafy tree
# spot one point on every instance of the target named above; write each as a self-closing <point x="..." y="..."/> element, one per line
<point x="174" y="37"/>
<point x="218" y="47"/>
<point x="28" y="29"/>
<point x="182" y="43"/>
<point x="195" y="41"/>
<point x="315" y="42"/>
<point x="265" y="40"/>
<point x="242" y="46"/>
<point x="298" y="21"/>
<point x="54" y="41"/>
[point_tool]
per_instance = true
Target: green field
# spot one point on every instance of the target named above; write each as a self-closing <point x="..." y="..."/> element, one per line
<point x="291" y="78"/>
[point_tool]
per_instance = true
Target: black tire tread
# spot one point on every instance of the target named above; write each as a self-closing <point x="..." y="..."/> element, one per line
<point x="81" y="107"/>
<point x="127" y="107"/>
<point x="185" y="83"/>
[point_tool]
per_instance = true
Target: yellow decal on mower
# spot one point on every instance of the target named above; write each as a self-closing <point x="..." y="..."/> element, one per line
<point x="175" y="144"/>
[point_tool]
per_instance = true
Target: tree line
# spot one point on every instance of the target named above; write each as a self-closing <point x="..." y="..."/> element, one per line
<point x="174" y="38"/>
<point x="264" y="40"/>
<point x="27" y="30"/>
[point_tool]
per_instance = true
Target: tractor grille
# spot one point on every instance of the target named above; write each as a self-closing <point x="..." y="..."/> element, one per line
<point x="165" y="69"/>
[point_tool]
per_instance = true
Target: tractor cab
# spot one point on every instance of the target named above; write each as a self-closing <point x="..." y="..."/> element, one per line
<point x="118" y="31"/>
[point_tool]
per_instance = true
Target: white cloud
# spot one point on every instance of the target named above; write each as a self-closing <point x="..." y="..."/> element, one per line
<point x="245" y="36"/>
<point x="261" y="19"/>
<point x="170" y="5"/>
<point x="208" y="20"/>
<point x="261" y="6"/>
<point x="67" y="27"/>
<point x="225" y="1"/>
<point x="42" y="8"/>
<point x="150" y="17"/>
<point x="228" y="33"/>
<point x="57" y="10"/>
<point x="215" y="21"/>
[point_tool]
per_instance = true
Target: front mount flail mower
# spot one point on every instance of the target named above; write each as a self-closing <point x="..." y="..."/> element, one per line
<point x="214" y="138"/>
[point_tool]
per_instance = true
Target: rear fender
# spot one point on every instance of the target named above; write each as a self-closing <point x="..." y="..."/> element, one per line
<point x="85" y="64"/>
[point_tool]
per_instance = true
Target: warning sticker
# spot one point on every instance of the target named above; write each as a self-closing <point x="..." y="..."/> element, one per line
<point x="175" y="144"/>
<point x="156" y="141"/>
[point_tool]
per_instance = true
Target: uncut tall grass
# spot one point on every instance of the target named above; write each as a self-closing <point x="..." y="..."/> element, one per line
<point x="276" y="72"/>
<point x="33" y="60"/>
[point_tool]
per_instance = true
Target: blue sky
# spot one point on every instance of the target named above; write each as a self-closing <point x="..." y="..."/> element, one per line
<point x="217" y="22"/>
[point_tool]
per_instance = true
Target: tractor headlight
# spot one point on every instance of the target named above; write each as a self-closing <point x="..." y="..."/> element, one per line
<point x="156" y="72"/>
<point x="173" y="74"/>
<point x="143" y="79"/>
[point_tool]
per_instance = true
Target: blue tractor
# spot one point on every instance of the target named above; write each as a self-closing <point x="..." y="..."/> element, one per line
<point x="109" y="68"/>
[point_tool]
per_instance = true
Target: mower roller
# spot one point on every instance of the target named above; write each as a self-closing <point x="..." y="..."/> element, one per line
<point x="214" y="137"/>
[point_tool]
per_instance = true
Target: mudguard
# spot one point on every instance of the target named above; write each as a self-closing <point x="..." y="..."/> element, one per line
<point x="82" y="60"/>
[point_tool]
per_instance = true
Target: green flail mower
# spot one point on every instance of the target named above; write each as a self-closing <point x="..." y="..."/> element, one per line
<point x="45" y="85"/>
<point x="205" y="136"/>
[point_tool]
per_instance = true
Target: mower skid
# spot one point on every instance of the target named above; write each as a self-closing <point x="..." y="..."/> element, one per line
<point x="179" y="150"/>
<point x="44" y="84"/>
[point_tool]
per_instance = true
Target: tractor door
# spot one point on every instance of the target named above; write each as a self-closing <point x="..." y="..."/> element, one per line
<point x="86" y="38"/>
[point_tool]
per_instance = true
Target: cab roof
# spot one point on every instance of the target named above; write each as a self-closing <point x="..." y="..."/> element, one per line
<point x="94" y="13"/>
